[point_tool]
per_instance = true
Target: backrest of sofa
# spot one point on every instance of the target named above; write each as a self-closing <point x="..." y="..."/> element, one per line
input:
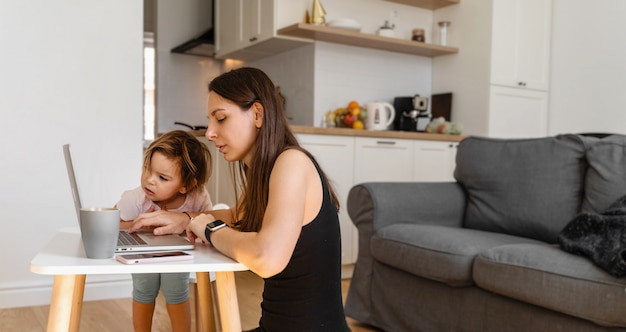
<point x="606" y="177"/>
<point x="524" y="187"/>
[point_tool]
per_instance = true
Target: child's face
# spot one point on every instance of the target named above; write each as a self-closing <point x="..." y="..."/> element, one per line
<point x="162" y="181"/>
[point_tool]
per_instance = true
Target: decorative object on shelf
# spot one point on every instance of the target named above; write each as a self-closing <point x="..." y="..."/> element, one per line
<point x="418" y="35"/>
<point x="344" y="23"/>
<point x="387" y="30"/>
<point x="443" y="32"/>
<point x="318" y="13"/>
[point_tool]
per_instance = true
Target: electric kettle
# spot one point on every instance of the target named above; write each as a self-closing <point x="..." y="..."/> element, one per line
<point x="380" y="115"/>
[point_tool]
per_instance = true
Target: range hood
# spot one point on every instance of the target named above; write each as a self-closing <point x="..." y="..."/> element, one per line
<point x="203" y="45"/>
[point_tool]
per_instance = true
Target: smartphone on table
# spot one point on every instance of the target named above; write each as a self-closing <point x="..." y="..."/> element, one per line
<point x="154" y="257"/>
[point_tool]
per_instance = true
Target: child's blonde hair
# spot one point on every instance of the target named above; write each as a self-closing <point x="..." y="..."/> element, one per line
<point x="193" y="156"/>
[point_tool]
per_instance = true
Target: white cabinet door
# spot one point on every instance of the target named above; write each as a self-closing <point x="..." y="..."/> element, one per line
<point x="382" y="159"/>
<point x="517" y="113"/>
<point x="335" y="154"/>
<point x="434" y="161"/>
<point x="257" y="21"/>
<point x="521" y="43"/>
<point x="228" y="25"/>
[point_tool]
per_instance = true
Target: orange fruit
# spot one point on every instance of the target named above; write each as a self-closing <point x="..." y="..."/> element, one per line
<point x="353" y="104"/>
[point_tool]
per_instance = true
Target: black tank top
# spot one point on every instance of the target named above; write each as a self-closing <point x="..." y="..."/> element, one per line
<point x="306" y="295"/>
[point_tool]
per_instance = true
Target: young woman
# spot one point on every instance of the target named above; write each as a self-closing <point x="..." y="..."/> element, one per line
<point x="176" y="167"/>
<point x="284" y="226"/>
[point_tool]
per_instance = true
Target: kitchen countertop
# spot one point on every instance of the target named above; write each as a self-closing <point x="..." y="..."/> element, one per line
<point x="370" y="133"/>
<point x="365" y="133"/>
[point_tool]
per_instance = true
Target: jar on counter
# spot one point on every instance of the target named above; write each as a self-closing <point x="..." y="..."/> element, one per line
<point x="418" y="35"/>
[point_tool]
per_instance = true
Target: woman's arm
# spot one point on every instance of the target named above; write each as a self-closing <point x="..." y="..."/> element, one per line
<point x="295" y="198"/>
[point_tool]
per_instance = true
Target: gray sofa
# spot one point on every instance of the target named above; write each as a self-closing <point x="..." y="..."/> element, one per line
<point x="481" y="253"/>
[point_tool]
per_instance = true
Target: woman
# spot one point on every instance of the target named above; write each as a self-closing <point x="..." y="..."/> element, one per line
<point x="284" y="226"/>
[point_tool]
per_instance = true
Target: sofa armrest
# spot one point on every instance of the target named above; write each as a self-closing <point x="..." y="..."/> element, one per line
<point x="385" y="203"/>
<point x="372" y="206"/>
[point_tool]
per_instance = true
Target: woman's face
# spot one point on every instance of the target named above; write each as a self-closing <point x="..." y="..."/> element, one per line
<point x="233" y="130"/>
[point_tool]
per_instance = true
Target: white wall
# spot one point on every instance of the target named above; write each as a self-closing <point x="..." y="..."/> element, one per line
<point x="182" y="80"/>
<point x="588" y="78"/>
<point x="466" y="74"/>
<point x="71" y="72"/>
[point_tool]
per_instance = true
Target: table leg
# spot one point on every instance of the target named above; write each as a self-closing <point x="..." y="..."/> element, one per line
<point x="67" y="303"/>
<point x="204" y="301"/>
<point x="227" y="305"/>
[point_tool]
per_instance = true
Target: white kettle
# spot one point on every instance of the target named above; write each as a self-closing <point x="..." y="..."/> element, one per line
<point x="380" y="115"/>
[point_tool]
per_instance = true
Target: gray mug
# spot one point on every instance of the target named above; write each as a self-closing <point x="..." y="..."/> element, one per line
<point x="99" y="228"/>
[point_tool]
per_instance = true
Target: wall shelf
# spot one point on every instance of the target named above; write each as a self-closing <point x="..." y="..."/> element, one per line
<point x="353" y="38"/>
<point x="427" y="4"/>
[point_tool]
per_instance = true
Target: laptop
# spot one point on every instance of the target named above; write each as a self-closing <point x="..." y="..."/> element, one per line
<point x="128" y="242"/>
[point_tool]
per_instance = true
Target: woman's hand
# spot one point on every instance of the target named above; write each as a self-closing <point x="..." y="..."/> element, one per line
<point x="164" y="222"/>
<point x="196" y="227"/>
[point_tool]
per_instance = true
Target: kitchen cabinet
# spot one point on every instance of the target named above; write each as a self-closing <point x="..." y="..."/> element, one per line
<point x="246" y="29"/>
<point x="434" y="161"/>
<point x="520" y="49"/>
<point x="383" y="159"/>
<point x="507" y="48"/>
<point x="517" y="113"/>
<point x="335" y="155"/>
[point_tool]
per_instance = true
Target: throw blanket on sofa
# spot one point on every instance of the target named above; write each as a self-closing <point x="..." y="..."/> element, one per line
<point x="600" y="237"/>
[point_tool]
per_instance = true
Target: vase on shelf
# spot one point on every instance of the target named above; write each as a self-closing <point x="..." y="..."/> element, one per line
<point x="318" y="13"/>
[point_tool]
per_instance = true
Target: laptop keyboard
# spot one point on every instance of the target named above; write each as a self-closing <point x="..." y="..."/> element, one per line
<point x="132" y="239"/>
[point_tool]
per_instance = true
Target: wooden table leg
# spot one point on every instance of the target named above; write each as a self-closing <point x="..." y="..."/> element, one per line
<point x="67" y="303"/>
<point x="227" y="305"/>
<point x="204" y="301"/>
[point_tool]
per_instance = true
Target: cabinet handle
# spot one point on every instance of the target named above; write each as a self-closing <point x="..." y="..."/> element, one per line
<point x="521" y="83"/>
<point x="386" y="142"/>
<point x="252" y="39"/>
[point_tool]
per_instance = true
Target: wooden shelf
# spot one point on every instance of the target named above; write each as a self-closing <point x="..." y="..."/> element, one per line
<point x="427" y="4"/>
<point x="353" y="38"/>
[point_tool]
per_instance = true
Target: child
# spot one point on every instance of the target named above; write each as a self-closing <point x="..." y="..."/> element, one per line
<point x="176" y="167"/>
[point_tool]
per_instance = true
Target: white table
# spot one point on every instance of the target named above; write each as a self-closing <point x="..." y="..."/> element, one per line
<point x="64" y="257"/>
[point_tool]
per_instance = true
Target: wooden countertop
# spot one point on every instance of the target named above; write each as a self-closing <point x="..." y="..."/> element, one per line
<point x="381" y="134"/>
<point x="365" y="133"/>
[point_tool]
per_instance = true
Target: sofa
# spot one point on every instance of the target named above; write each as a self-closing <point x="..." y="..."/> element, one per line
<point x="481" y="253"/>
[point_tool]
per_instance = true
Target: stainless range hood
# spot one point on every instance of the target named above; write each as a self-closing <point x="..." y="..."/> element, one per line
<point x="203" y="45"/>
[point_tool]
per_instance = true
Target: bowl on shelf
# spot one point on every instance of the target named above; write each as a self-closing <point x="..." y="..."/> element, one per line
<point x="344" y="23"/>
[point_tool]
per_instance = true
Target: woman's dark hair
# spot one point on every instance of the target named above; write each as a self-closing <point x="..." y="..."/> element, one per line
<point x="244" y="87"/>
<point x="193" y="156"/>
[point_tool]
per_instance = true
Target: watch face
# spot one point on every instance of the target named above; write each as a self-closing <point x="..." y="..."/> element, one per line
<point x="215" y="225"/>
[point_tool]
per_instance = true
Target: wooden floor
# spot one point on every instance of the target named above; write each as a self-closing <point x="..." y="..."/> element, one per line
<point x="116" y="315"/>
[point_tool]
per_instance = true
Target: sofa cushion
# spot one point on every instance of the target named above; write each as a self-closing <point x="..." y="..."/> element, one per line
<point x="606" y="178"/>
<point x="444" y="254"/>
<point x="548" y="277"/>
<point x="523" y="187"/>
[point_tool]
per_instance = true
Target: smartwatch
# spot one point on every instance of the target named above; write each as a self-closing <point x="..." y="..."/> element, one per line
<point x="212" y="227"/>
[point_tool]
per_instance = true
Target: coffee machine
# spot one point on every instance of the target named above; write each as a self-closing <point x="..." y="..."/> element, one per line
<point x="411" y="113"/>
